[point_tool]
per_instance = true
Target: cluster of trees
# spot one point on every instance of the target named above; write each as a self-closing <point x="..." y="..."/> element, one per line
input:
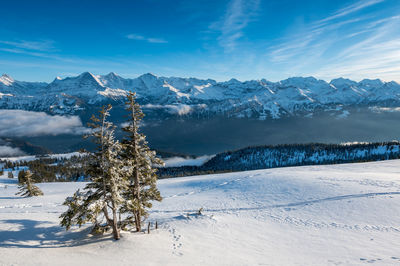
<point x="122" y="177"/>
<point x="52" y="169"/>
<point x="303" y="154"/>
<point x="8" y="164"/>
<point x="181" y="171"/>
<point x="76" y="167"/>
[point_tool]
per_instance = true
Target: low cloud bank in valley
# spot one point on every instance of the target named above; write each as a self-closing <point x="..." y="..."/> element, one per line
<point x="180" y="161"/>
<point x="377" y="109"/>
<point x="10" y="151"/>
<point x="178" y="109"/>
<point x="20" y="123"/>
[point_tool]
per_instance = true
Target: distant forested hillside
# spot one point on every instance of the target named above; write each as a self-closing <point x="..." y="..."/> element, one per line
<point x="262" y="157"/>
<point x="47" y="169"/>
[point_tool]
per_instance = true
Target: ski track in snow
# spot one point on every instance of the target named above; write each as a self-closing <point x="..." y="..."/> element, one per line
<point x="207" y="188"/>
<point x="297" y="204"/>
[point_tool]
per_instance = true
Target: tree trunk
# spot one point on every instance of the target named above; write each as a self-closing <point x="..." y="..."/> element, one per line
<point x="137" y="193"/>
<point x="116" y="233"/>
<point x="138" y="222"/>
<point x="29" y="186"/>
<point x="112" y="222"/>
<point x="109" y="222"/>
<point x="136" y="185"/>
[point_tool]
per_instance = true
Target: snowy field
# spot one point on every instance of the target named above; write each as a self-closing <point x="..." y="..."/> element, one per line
<point x="312" y="215"/>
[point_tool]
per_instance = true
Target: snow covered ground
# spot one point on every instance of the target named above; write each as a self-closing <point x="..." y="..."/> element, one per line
<point x="312" y="215"/>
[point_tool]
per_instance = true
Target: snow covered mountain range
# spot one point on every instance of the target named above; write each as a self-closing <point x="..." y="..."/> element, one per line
<point x="259" y="99"/>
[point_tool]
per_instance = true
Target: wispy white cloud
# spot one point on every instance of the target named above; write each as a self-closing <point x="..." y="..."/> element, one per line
<point x="46" y="45"/>
<point x="315" y="39"/>
<point x="146" y="39"/>
<point x="351" y="9"/>
<point x="238" y="15"/>
<point x="357" y="47"/>
<point x="374" y="56"/>
<point x="46" y="50"/>
<point x="26" y="52"/>
<point x="43" y="49"/>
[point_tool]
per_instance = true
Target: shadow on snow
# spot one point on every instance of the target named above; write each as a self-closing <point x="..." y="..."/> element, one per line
<point x="37" y="234"/>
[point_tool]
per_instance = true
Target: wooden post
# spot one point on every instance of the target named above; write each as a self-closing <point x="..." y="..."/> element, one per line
<point x="148" y="228"/>
<point x="156" y="225"/>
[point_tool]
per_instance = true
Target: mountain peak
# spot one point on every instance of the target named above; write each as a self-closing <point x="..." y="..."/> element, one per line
<point x="232" y="81"/>
<point x="57" y="79"/>
<point x="310" y="78"/>
<point x="6" y="79"/>
<point x="112" y="75"/>
<point x="300" y="81"/>
<point x="148" y="75"/>
<point x="5" y="76"/>
<point x="86" y="75"/>
<point x="89" y="77"/>
<point x="371" y="82"/>
<point x="342" y="82"/>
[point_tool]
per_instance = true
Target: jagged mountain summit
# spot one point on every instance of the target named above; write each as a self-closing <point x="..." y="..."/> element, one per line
<point x="190" y="96"/>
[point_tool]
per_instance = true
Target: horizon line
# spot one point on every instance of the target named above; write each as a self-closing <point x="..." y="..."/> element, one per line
<point x="192" y="77"/>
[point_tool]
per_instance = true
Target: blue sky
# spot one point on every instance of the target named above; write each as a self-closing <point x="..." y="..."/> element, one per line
<point x="243" y="39"/>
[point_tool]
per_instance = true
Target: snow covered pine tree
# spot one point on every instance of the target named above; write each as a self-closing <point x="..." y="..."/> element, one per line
<point x="138" y="162"/>
<point x="104" y="192"/>
<point x="26" y="186"/>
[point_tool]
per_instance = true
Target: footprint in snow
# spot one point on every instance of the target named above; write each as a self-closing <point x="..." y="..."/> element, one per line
<point x="176" y="245"/>
<point x="289" y="209"/>
<point x="371" y="260"/>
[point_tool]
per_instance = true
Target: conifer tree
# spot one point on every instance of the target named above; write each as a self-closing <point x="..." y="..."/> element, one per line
<point x="139" y="163"/>
<point x="103" y="195"/>
<point x="21" y="176"/>
<point x="27" y="188"/>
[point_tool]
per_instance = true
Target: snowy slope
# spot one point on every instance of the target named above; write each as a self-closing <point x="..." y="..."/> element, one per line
<point x="315" y="215"/>
<point x="255" y="98"/>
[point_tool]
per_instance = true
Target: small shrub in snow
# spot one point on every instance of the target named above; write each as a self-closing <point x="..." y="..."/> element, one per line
<point x="27" y="188"/>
